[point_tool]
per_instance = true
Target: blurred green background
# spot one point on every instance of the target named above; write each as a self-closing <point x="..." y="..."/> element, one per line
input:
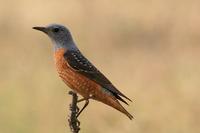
<point x="149" y="49"/>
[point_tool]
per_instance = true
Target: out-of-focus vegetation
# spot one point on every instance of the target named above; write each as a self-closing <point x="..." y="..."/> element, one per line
<point x="149" y="49"/>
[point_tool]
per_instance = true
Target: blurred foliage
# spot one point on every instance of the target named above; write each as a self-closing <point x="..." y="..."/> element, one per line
<point x="148" y="49"/>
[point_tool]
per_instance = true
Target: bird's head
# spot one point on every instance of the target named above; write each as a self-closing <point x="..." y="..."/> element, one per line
<point x="59" y="34"/>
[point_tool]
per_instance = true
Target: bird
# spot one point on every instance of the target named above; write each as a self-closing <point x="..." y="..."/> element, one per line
<point x="79" y="74"/>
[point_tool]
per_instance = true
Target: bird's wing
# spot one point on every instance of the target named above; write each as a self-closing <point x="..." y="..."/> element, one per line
<point x="79" y="63"/>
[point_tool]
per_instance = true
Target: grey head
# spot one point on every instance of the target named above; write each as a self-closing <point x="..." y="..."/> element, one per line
<point x="60" y="36"/>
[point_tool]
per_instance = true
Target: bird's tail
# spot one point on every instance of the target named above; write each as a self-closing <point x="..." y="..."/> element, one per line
<point x="120" y="108"/>
<point x="113" y="102"/>
<point x="129" y="115"/>
<point x="123" y="110"/>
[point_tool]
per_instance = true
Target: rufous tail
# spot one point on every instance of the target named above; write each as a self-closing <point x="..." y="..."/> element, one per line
<point x="113" y="102"/>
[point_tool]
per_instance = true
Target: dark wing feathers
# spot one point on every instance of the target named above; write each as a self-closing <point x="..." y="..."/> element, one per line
<point x="78" y="62"/>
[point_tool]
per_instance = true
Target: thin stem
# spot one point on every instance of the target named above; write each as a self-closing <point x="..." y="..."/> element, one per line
<point x="74" y="123"/>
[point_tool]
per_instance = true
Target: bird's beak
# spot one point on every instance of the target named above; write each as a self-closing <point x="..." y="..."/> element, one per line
<point x="43" y="29"/>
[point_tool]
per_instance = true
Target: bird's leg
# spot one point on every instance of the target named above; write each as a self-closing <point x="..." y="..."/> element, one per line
<point x="83" y="99"/>
<point x="85" y="105"/>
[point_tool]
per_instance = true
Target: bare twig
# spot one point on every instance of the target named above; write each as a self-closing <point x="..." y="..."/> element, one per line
<point x="74" y="123"/>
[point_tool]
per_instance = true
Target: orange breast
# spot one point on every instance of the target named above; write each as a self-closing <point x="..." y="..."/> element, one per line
<point x="73" y="79"/>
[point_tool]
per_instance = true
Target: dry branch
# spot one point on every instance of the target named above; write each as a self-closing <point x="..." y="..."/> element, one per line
<point x="74" y="123"/>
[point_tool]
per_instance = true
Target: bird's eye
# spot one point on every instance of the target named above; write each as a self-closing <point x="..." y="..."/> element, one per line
<point x="55" y="29"/>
